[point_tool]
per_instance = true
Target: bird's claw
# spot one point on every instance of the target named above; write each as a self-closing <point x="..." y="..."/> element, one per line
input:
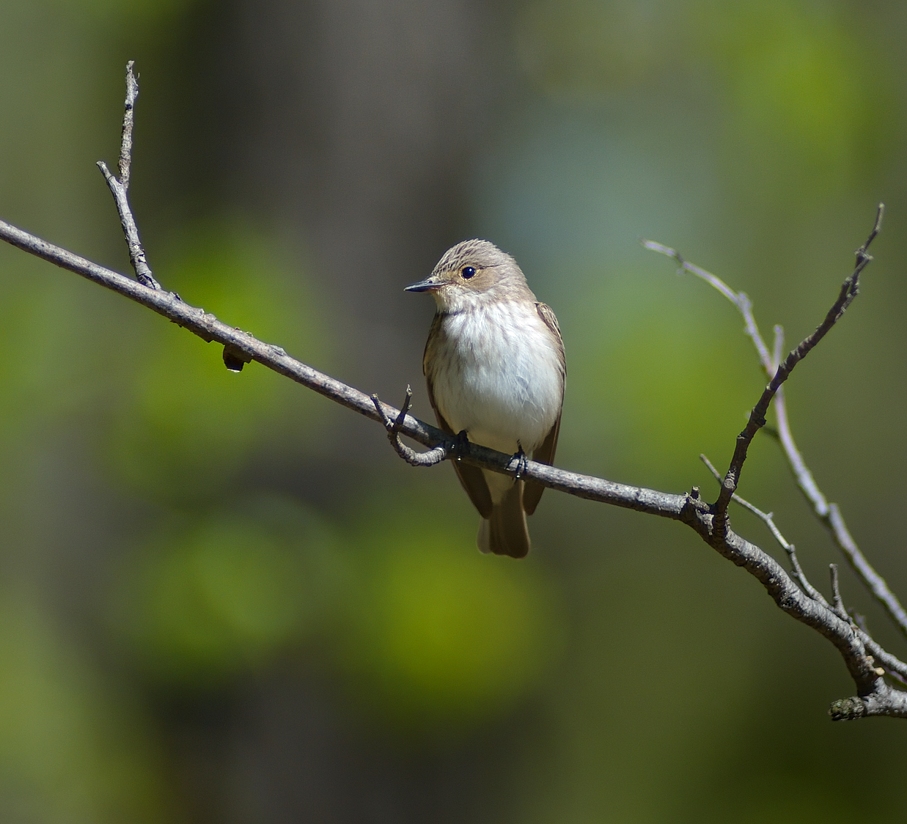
<point x="521" y="462"/>
<point x="462" y="443"/>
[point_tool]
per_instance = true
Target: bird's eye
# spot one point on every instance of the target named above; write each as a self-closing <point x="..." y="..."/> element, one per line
<point x="468" y="272"/>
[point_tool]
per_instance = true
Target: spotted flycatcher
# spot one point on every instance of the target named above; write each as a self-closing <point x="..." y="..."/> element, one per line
<point x="495" y="366"/>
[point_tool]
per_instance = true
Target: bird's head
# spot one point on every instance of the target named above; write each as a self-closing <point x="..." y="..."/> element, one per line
<point x="474" y="272"/>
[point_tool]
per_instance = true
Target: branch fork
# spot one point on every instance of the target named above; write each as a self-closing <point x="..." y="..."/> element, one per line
<point x="860" y="651"/>
<point x="867" y="662"/>
<point x="393" y="426"/>
<point x="119" y="188"/>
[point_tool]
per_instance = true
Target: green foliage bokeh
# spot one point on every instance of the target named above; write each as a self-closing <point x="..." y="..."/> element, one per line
<point x="172" y="532"/>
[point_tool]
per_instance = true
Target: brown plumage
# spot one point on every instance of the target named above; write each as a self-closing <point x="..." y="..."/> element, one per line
<point x="494" y="362"/>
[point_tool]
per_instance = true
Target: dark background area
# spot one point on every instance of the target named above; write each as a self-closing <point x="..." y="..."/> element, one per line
<point x="224" y="599"/>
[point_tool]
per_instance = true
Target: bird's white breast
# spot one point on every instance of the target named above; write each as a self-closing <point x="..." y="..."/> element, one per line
<point x="499" y="376"/>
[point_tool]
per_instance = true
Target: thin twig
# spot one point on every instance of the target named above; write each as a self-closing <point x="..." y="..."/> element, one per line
<point x="392" y="425"/>
<point x="120" y="188"/>
<point x="892" y="666"/>
<point x="768" y="519"/>
<point x="848" y="292"/>
<point x="874" y="695"/>
<point x="739" y="299"/>
<point x="873" y="691"/>
<point x="828" y="514"/>
<point x="249" y="348"/>
<point x="837" y="600"/>
<point x="132" y="92"/>
<point x="777" y="350"/>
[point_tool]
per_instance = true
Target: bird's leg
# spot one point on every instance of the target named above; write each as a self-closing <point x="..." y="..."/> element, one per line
<point x="462" y="444"/>
<point x="521" y="461"/>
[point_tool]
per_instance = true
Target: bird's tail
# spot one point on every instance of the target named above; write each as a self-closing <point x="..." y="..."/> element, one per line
<point x="505" y="531"/>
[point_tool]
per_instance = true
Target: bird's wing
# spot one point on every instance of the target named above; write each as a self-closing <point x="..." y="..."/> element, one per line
<point x="471" y="477"/>
<point x="545" y="453"/>
<point x="546" y="313"/>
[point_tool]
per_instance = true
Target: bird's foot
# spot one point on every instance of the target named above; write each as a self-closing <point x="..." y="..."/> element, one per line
<point x="462" y="443"/>
<point x="521" y="462"/>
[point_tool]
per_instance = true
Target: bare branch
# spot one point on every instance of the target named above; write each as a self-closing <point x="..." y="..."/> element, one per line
<point x="777" y="349"/>
<point x="840" y="609"/>
<point x="828" y="514"/>
<point x="132" y="92"/>
<point x="739" y="299"/>
<point x="880" y="698"/>
<point x="768" y="519"/>
<point x="687" y="508"/>
<point x="885" y="701"/>
<point x="892" y="666"/>
<point x="241" y="343"/>
<point x="120" y="188"/>
<point x="859" y="652"/>
<point x="413" y="458"/>
<point x="830" y="517"/>
<point x="849" y="290"/>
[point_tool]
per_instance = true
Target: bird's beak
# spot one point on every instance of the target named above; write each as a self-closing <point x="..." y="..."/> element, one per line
<point x="427" y="285"/>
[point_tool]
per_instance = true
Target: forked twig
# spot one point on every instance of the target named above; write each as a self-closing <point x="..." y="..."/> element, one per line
<point x="768" y="519"/>
<point x="432" y="457"/>
<point x="828" y="514"/>
<point x="860" y="654"/>
<point x="120" y="188"/>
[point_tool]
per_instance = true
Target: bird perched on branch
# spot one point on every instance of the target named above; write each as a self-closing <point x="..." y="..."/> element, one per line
<point x="495" y="367"/>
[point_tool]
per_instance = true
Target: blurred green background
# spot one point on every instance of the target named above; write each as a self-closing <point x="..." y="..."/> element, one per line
<point x="224" y="599"/>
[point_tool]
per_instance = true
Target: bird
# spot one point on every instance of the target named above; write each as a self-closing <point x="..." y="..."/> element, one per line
<point x="495" y="367"/>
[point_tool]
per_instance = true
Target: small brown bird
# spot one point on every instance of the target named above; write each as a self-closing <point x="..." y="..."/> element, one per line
<point x="495" y="367"/>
